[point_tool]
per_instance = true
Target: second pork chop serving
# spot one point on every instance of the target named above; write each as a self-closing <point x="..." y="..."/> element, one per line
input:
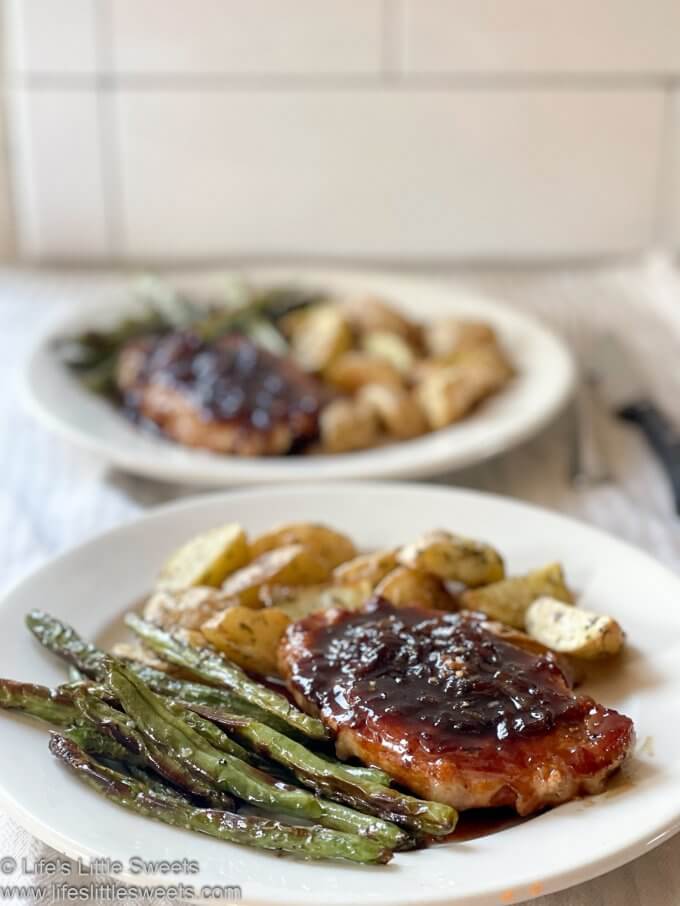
<point x="228" y="395"/>
<point x="452" y="709"/>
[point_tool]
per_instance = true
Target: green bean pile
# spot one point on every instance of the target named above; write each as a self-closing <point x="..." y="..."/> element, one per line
<point x="191" y="752"/>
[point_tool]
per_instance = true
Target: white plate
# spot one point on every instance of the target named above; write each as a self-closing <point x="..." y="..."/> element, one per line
<point x="92" y="586"/>
<point x="545" y="378"/>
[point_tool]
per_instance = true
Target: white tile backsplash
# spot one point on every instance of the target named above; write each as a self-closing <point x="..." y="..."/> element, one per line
<point x="387" y="174"/>
<point x="386" y="129"/>
<point x="50" y="38"/>
<point x="246" y="36"/>
<point x="542" y="36"/>
<point x="58" y="178"/>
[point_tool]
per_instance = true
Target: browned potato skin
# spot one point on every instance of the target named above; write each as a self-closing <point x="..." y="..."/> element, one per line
<point x="350" y="371"/>
<point x="346" y="425"/>
<point x="509" y="599"/>
<point x="288" y="565"/>
<point x="367" y="314"/>
<point x="406" y="587"/>
<point x="446" y="393"/>
<point x="449" y="337"/>
<point x="248" y="637"/>
<point x="453" y="558"/>
<point x="325" y="543"/>
<point x="186" y="609"/>
<point x="370" y="567"/>
<point x="300" y="602"/>
<point x="396" y="410"/>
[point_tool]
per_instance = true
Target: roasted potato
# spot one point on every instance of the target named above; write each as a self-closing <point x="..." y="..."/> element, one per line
<point x="322" y="542"/>
<point x="447" y="338"/>
<point x="453" y="558"/>
<point x="138" y="653"/>
<point x="447" y="394"/>
<point x="289" y="565"/>
<point x="248" y="637"/>
<point x="366" y="567"/>
<point x="406" y="587"/>
<point x="206" y="559"/>
<point x="509" y="599"/>
<point x="390" y="347"/>
<point x="319" y="336"/>
<point x="300" y="602"/>
<point x="367" y="314"/>
<point x="347" y="425"/>
<point x="573" y="630"/>
<point x="352" y="370"/>
<point x="395" y="408"/>
<point x="185" y="609"/>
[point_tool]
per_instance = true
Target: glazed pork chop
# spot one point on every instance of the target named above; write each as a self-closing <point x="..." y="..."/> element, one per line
<point x="451" y="707"/>
<point x="229" y="395"/>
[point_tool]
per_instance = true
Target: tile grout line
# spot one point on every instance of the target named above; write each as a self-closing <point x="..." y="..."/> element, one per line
<point x="320" y="82"/>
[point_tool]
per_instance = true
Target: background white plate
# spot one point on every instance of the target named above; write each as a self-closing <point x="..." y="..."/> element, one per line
<point x="93" y="585"/>
<point x="544" y="381"/>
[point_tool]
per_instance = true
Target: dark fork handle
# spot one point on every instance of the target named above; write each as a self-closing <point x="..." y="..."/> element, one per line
<point x="661" y="436"/>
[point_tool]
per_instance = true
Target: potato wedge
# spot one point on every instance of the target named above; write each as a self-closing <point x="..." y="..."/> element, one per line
<point x="449" y="337"/>
<point x="368" y="314"/>
<point x="573" y="630"/>
<point x="346" y="425"/>
<point x="406" y="587"/>
<point x="248" y="637"/>
<point x="352" y="370"/>
<point x="288" y="565"/>
<point x="509" y="599"/>
<point x="320" y="336"/>
<point x="447" y="394"/>
<point x="298" y="603"/>
<point x="395" y="408"/>
<point x="185" y="609"/>
<point x="391" y="347"/>
<point x="325" y="543"/>
<point x="453" y="558"/>
<point x="370" y="567"/>
<point x="206" y="559"/>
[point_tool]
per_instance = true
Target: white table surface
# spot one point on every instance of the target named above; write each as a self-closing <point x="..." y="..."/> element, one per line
<point x="53" y="496"/>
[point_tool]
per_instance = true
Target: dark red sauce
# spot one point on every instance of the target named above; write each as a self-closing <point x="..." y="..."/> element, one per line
<point x="232" y="380"/>
<point x="481" y="822"/>
<point x="443" y="676"/>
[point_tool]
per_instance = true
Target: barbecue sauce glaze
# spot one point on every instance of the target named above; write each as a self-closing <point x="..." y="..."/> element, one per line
<point x="443" y="676"/>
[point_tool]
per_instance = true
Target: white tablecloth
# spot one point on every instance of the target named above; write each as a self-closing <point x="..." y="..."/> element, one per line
<point x="53" y="496"/>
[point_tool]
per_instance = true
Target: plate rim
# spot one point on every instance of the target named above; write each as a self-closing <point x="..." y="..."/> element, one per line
<point x="231" y="471"/>
<point x="554" y="882"/>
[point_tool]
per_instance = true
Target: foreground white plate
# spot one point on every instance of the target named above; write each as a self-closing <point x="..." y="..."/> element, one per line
<point x="544" y="381"/>
<point x="92" y="587"/>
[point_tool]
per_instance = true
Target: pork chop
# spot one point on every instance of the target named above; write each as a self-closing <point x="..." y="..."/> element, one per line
<point x="229" y="395"/>
<point x="451" y="708"/>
